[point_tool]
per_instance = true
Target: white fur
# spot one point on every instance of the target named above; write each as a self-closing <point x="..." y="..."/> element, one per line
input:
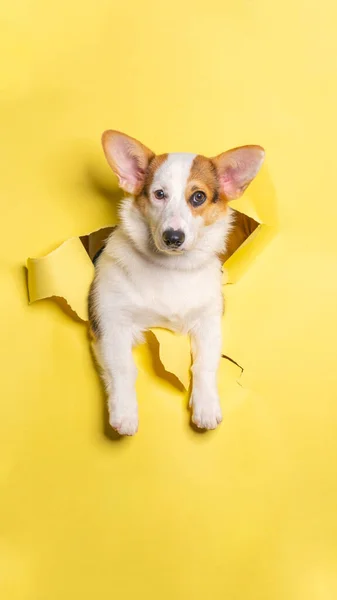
<point x="173" y="212"/>
<point x="139" y="285"/>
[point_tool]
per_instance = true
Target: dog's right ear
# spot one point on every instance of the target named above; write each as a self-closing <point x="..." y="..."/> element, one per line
<point x="128" y="159"/>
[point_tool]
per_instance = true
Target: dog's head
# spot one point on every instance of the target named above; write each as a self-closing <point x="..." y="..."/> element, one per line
<point x="180" y="199"/>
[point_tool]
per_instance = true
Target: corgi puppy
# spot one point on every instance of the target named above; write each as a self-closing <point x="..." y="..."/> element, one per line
<point x="161" y="268"/>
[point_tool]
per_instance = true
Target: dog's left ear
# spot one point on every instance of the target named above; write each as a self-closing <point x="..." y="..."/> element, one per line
<point x="237" y="168"/>
<point x="128" y="159"/>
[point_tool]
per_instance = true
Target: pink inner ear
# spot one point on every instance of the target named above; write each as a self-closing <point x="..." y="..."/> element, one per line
<point x="237" y="168"/>
<point x="129" y="172"/>
<point x="128" y="168"/>
<point x="230" y="183"/>
<point x="128" y="158"/>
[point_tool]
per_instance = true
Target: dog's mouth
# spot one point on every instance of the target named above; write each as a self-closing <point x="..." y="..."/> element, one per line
<point x="162" y="249"/>
<point x="171" y="251"/>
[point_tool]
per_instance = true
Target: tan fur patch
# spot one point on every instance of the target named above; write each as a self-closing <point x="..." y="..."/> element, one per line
<point x="143" y="198"/>
<point x="204" y="177"/>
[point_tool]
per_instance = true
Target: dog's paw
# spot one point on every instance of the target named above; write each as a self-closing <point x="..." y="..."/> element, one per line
<point x="124" y="419"/>
<point x="206" y="414"/>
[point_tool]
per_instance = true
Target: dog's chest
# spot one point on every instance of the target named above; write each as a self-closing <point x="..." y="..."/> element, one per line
<point x="174" y="299"/>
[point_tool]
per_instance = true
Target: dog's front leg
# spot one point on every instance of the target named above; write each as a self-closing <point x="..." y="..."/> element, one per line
<point x="114" y="349"/>
<point x="206" y="352"/>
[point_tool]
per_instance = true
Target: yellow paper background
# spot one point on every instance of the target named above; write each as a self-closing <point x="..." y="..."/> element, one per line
<point x="247" y="511"/>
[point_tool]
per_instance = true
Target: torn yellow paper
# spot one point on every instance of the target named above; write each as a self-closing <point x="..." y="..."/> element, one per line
<point x="242" y="259"/>
<point x="67" y="273"/>
<point x="260" y="203"/>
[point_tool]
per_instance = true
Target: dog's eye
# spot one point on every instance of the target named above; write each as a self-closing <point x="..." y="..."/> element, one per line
<point x="159" y="194"/>
<point x="198" y="198"/>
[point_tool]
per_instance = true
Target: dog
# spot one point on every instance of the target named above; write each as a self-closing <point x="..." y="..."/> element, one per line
<point x="161" y="266"/>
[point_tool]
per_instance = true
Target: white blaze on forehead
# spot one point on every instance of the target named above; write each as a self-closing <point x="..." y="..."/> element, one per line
<point x="172" y="177"/>
<point x="173" y="174"/>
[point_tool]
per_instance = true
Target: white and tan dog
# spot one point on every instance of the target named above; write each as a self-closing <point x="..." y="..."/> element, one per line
<point x="161" y="266"/>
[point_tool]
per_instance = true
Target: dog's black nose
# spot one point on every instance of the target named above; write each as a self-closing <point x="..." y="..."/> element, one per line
<point x="173" y="238"/>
